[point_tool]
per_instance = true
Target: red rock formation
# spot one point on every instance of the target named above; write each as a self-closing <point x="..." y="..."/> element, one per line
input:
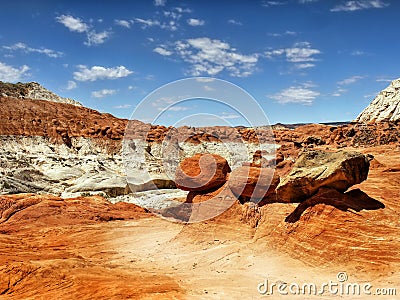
<point x="31" y="210"/>
<point x="253" y="183"/>
<point x="202" y="172"/>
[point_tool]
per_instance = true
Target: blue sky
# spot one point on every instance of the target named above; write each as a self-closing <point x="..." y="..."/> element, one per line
<point x="302" y="60"/>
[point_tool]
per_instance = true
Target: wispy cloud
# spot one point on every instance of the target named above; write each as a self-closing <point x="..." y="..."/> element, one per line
<point x="357" y="53"/>
<point x="103" y="93"/>
<point x="156" y="23"/>
<point x="301" y="94"/>
<point x="123" y="23"/>
<point x="75" y="24"/>
<point x="234" y="22"/>
<point x="26" y="49"/>
<point x="355" y="5"/>
<point x="211" y="57"/>
<point x="169" y="19"/>
<point x="307" y="1"/>
<point x="350" y="80"/>
<point x="228" y="116"/>
<point x="273" y="3"/>
<point x="122" y="106"/>
<point x="384" y="80"/>
<point x="287" y="32"/>
<point x="98" y="72"/>
<point x="11" y="74"/>
<point x="338" y="92"/>
<point x="195" y="22"/>
<point x="160" y="2"/>
<point x="71" y="85"/>
<point x="301" y="54"/>
<point x="162" y="51"/>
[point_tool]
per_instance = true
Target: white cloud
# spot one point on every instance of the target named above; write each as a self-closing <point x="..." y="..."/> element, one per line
<point x="350" y="80"/>
<point x="25" y="48"/>
<point x="234" y="22"/>
<point x="123" y="23"/>
<point x="77" y="25"/>
<point x="123" y="106"/>
<point x="304" y="66"/>
<point x="71" y="85"/>
<point x="98" y="72"/>
<point x="307" y="1"/>
<point x="287" y="32"/>
<point x="227" y="116"/>
<point x="273" y="3"/>
<point x="384" y="80"/>
<point x="97" y="38"/>
<point x="147" y="22"/>
<point x="72" y="23"/>
<point x="195" y="22"/>
<point x="302" y="94"/>
<point x="160" y="2"/>
<point x="205" y="79"/>
<point x="176" y="108"/>
<point x="355" y="5"/>
<point x="208" y="88"/>
<point x="211" y="57"/>
<point x="301" y="54"/>
<point x="168" y="19"/>
<point x="169" y="103"/>
<point x="11" y="74"/>
<point x="162" y="51"/>
<point x="171" y="25"/>
<point x="358" y="53"/>
<point x="103" y="93"/>
<point x="339" y="92"/>
<point x="183" y="10"/>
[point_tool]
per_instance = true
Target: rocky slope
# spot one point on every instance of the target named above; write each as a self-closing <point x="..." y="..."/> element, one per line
<point x="385" y="106"/>
<point x="65" y="149"/>
<point x="32" y="90"/>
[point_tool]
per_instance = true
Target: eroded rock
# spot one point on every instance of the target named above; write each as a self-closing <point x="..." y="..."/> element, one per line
<point x="202" y="172"/>
<point x="316" y="168"/>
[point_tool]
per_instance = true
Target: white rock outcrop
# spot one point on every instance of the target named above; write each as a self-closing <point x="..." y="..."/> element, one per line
<point x="32" y="90"/>
<point x="385" y="106"/>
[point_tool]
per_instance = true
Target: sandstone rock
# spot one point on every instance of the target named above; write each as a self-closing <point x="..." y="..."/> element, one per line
<point x="112" y="184"/>
<point x="314" y="169"/>
<point x="219" y="193"/>
<point x="29" y="210"/>
<point x="254" y="183"/>
<point x="202" y="172"/>
<point x="385" y="106"/>
<point x="355" y="200"/>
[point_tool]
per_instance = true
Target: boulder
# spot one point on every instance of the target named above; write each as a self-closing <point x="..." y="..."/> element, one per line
<point x="248" y="182"/>
<point x="202" y="172"/>
<point x="316" y="168"/>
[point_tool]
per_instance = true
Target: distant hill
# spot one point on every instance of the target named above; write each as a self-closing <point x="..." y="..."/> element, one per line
<point x="32" y="90"/>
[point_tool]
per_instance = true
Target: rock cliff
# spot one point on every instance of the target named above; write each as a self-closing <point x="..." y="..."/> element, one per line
<point x="385" y="106"/>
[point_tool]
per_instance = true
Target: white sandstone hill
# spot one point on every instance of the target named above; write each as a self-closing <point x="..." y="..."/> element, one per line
<point x="385" y="106"/>
<point x="34" y="91"/>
